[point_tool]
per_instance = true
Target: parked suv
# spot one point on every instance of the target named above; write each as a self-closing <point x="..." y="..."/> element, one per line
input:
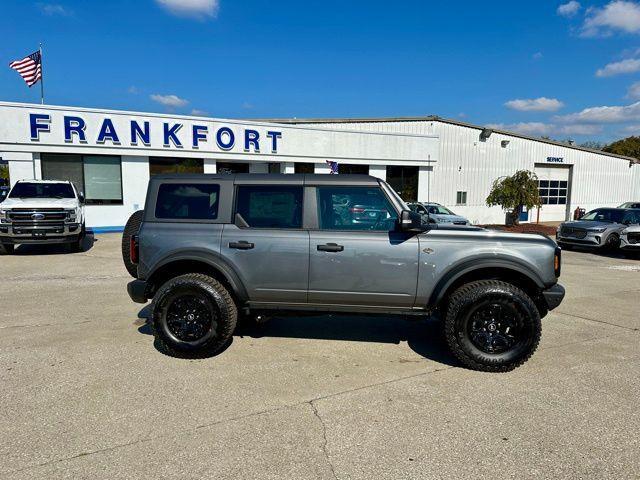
<point x="599" y="228"/>
<point x="436" y="213"/>
<point x="42" y="211"/>
<point x="212" y="246"/>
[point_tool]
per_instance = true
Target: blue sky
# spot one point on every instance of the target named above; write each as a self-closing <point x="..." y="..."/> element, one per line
<point x="566" y="69"/>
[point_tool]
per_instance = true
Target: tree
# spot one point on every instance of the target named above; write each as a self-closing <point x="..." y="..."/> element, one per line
<point x="629" y="147"/>
<point x="514" y="192"/>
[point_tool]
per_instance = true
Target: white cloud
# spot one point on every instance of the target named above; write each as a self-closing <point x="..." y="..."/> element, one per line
<point x="538" y="129"/>
<point x="133" y="90"/>
<point x="632" y="129"/>
<point x="54" y="9"/>
<point x="569" y="9"/>
<point x="199" y="113"/>
<point x="191" y="8"/>
<point x="634" y="91"/>
<point x="630" y="65"/>
<point x="604" y="114"/>
<point x="172" y="101"/>
<point x="247" y="105"/>
<point x="537" y="56"/>
<point x="542" y="104"/>
<point x="618" y="15"/>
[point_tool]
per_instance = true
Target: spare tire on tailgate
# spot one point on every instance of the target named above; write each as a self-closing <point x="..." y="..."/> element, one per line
<point x="131" y="228"/>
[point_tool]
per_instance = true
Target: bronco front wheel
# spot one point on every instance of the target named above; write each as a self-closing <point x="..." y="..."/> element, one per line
<point x="492" y="326"/>
<point x="193" y="315"/>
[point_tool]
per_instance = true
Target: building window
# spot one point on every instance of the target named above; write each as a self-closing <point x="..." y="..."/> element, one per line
<point x="228" y="167"/>
<point x="98" y="177"/>
<point x="351" y="168"/>
<point x="404" y="180"/>
<point x="270" y="206"/>
<point x="461" y="198"/>
<point x="198" y="201"/>
<point x="163" y="165"/>
<point x="304" y="168"/>
<point x="553" y="192"/>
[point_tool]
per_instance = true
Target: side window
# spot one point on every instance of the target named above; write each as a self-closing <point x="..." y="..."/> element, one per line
<point x="197" y="201"/>
<point x="270" y="206"/>
<point x="355" y="208"/>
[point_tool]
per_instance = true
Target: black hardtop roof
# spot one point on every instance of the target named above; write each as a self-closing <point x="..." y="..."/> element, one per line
<point x="273" y="178"/>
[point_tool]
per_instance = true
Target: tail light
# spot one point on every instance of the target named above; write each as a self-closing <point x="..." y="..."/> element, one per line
<point x="134" y="249"/>
<point x="557" y="261"/>
<point x="356" y="210"/>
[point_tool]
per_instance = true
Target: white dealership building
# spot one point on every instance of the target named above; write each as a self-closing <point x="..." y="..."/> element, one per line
<point x="110" y="156"/>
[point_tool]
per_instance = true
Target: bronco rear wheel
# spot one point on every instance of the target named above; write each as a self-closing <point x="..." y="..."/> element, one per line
<point x="492" y="326"/>
<point x="193" y="315"/>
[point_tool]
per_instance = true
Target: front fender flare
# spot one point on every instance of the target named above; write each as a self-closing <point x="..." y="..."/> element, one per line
<point x="459" y="270"/>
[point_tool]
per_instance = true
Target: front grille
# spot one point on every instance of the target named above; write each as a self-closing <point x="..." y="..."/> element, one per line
<point x="573" y="232"/>
<point x="32" y="215"/>
<point x="633" y="237"/>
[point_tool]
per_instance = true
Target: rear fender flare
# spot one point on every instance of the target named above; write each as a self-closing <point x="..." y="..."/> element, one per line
<point x="211" y="259"/>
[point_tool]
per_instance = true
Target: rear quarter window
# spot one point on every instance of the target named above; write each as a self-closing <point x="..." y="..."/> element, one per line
<point x="195" y="201"/>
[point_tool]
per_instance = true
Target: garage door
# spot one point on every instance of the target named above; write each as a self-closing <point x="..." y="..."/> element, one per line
<point x="554" y="189"/>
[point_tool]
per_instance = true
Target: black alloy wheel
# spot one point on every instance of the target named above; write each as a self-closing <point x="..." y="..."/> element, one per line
<point x="191" y="318"/>
<point x="494" y="327"/>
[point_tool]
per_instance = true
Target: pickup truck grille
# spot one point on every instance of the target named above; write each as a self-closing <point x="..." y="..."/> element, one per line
<point x="31" y="215"/>
<point x="633" y="237"/>
<point x="573" y="232"/>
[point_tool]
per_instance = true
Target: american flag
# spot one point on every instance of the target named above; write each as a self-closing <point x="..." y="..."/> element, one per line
<point x="333" y="166"/>
<point x="29" y="68"/>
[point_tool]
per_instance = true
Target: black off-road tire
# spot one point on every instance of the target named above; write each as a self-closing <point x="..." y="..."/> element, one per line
<point x="461" y="306"/>
<point x="8" y="248"/>
<point x="131" y="228"/>
<point x="213" y="295"/>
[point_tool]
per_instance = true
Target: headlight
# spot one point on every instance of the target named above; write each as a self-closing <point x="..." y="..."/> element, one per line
<point x="3" y="216"/>
<point x="625" y="231"/>
<point x="597" y="230"/>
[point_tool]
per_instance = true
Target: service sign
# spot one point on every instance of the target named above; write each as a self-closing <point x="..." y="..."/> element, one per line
<point x="555" y="159"/>
<point x="31" y="128"/>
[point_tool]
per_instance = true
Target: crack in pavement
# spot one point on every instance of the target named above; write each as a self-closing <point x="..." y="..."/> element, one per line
<point x="324" y="438"/>
<point x="632" y="329"/>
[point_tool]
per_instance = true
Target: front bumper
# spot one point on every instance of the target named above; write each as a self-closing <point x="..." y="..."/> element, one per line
<point x="17" y="233"/>
<point x="137" y="290"/>
<point x="594" y="240"/>
<point x="625" y="244"/>
<point x="553" y="296"/>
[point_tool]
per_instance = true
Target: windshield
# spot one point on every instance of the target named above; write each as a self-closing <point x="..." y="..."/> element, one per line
<point x="608" y="215"/>
<point x="42" y="190"/>
<point x="439" y="210"/>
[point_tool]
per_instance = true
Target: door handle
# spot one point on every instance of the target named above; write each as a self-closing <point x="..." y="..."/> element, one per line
<point x="330" y="247"/>
<point x="241" y="245"/>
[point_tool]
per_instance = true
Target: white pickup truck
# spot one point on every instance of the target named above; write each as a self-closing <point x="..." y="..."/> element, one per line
<point x="42" y="211"/>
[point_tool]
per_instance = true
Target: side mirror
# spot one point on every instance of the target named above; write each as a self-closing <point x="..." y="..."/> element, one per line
<point x="81" y="197"/>
<point x="410" y="222"/>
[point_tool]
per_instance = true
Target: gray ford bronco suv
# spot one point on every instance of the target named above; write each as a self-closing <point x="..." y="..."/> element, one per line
<point x="207" y="248"/>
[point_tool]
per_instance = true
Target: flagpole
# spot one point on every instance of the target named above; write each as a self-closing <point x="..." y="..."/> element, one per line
<point x="41" y="77"/>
